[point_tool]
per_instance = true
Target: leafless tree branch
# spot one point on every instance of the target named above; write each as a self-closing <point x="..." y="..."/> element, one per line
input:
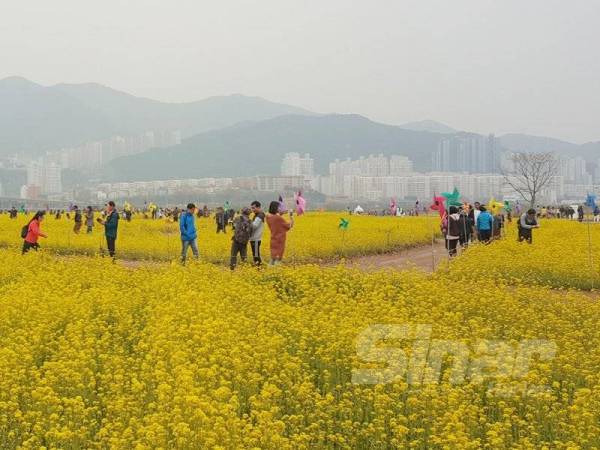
<point x="530" y="174"/>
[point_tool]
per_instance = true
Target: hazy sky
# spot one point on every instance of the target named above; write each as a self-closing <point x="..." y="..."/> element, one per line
<point x="499" y="66"/>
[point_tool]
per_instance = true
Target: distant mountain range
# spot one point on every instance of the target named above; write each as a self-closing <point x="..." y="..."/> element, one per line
<point x="231" y="135"/>
<point x="35" y="118"/>
<point x="258" y="147"/>
<point x="429" y="125"/>
<point x="524" y="142"/>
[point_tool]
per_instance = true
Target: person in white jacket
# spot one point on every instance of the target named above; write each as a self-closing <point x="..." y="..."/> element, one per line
<point x="258" y="227"/>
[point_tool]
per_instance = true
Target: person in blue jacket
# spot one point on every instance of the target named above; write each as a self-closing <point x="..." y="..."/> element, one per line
<point x="187" y="227"/>
<point x="485" y="222"/>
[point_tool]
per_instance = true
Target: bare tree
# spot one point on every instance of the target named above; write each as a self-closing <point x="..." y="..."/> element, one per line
<point x="530" y="174"/>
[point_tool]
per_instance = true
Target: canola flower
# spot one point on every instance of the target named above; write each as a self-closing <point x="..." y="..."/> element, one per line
<point x="561" y="256"/>
<point x="96" y="355"/>
<point x="315" y="237"/>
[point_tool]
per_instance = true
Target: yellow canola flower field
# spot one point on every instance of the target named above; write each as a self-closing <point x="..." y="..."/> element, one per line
<point x="316" y="236"/>
<point x="97" y="355"/>
<point x="564" y="254"/>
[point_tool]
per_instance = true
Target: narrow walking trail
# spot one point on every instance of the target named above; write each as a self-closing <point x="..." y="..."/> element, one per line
<point x="425" y="257"/>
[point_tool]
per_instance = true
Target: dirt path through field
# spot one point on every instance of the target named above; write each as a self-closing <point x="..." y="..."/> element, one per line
<point x="425" y="257"/>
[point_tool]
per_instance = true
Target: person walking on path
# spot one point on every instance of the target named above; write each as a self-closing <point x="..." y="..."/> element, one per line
<point x="485" y="223"/>
<point x="451" y="230"/>
<point x="34" y="232"/>
<point x="258" y="228"/>
<point x="78" y="220"/>
<point x="466" y="227"/>
<point x="527" y="223"/>
<point x="242" y="231"/>
<point x="189" y="235"/>
<point x="279" y="228"/>
<point x="111" y="225"/>
<point x="89" y="219"/>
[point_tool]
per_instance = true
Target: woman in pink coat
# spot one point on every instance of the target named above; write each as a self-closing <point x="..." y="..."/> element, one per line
<point x="279" y="228"/>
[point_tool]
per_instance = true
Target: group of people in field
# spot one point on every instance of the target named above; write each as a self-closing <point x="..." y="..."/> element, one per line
<point x="32" y="232"/>
<point x="462" y="225"/>
<point x="247" y="230"/>
<point x="568" y="212"/>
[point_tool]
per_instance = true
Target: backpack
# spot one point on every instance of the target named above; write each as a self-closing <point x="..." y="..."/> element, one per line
<point x="453" y="226"/>
<point x="243" y="230"/>
<point x="24" y="231"/>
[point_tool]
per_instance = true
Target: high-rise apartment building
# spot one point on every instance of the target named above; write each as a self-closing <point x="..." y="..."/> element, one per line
<point x="467" y="152"/>
<point x="45" y="175"/>
<point x="296" y="165"/>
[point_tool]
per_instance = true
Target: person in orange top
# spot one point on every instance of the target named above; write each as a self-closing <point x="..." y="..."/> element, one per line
<point x="33" y="232"/>
<point x="279" y="228"/>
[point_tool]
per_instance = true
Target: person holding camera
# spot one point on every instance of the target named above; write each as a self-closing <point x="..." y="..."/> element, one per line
<point x="279" y="228"/>
<point x="111" y="224"/>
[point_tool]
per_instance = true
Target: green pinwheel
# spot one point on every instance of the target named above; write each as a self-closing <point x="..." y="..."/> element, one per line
<point x="452" y="198"/>
<point x="344" y="224"/>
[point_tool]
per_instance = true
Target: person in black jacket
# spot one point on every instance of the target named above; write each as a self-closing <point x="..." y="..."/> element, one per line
<point x="111" y="224"/>
<point x="467" y="226"/>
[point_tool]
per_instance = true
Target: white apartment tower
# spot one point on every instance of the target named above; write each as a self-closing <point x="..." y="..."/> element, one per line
<point x="45" y="175"/>
<point x="296" y="165"/>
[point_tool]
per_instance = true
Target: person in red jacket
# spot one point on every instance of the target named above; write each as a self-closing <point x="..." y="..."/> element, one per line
<point x="34" y="232"/>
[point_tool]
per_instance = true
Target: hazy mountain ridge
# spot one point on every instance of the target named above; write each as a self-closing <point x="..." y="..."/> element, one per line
<point x="36" y="118"/>
<point x="232" y="135"/>
<point x="525" y="142"/>
<point x="432" y="126"/>
<point x="258" y="147"/>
